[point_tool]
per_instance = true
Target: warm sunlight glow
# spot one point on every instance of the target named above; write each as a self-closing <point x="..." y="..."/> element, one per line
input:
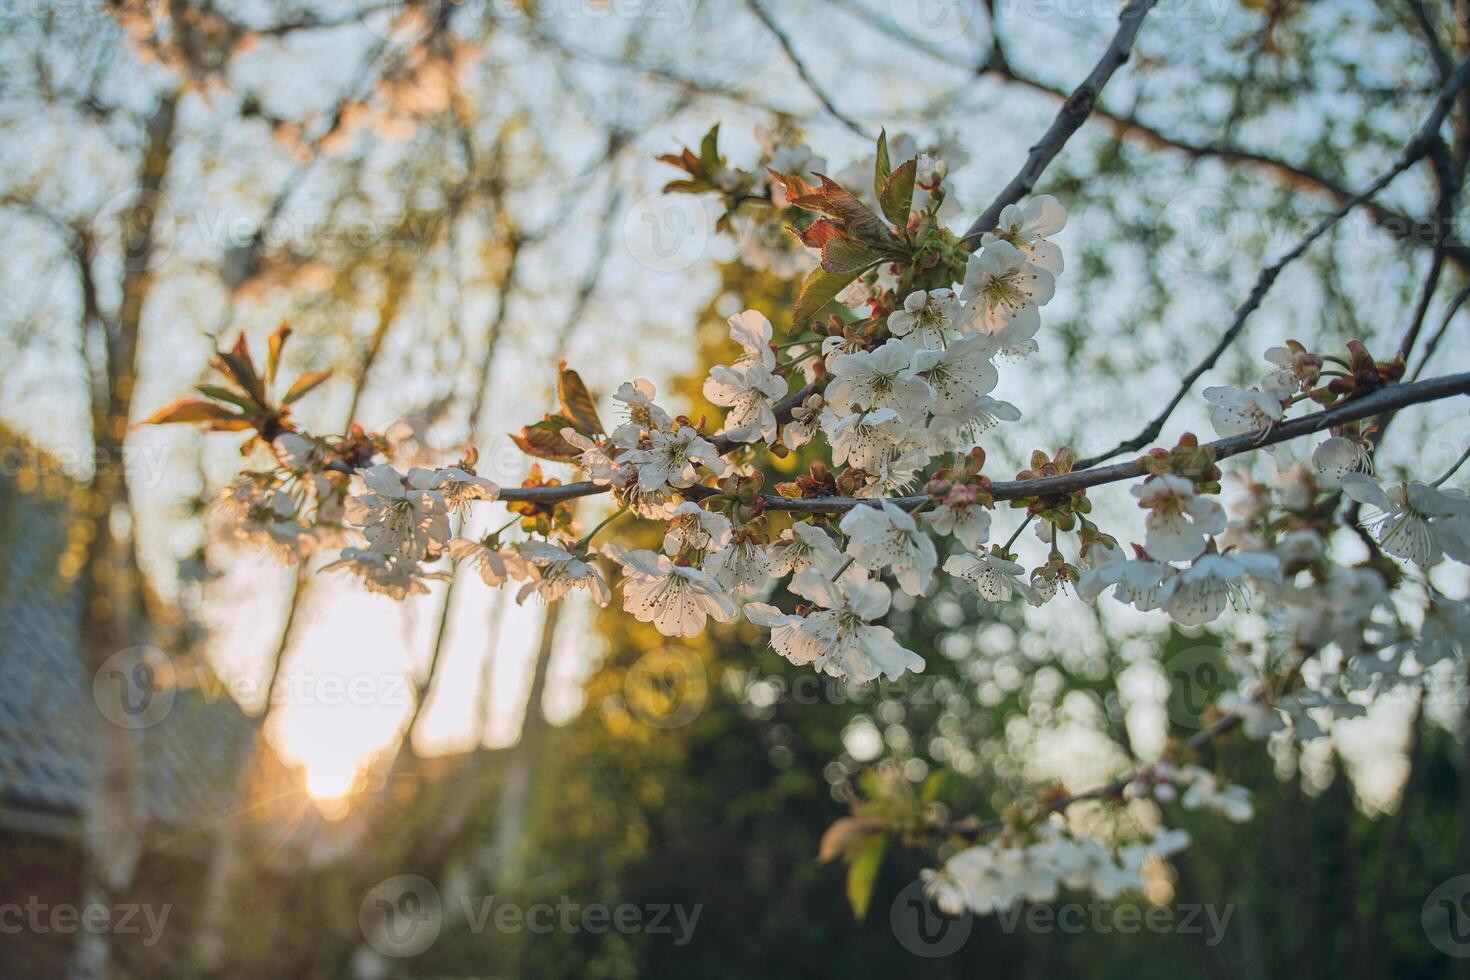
<point x="329" y="778"/>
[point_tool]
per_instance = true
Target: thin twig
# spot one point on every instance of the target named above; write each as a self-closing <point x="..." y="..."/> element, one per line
<point x="1074" y="111"/>
<point x="1444" y="325"/>
<point x="1417" y="148"/>
<point x="801" y="69"/>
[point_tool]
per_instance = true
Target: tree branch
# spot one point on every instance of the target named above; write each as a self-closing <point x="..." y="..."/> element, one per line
<point x="801" y="69"/>
<point x="1074" y="111"/>
<point x="1386" y="399"/>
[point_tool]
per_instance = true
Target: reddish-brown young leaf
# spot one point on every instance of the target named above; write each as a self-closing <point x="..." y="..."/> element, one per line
<point x="191" y="410"/>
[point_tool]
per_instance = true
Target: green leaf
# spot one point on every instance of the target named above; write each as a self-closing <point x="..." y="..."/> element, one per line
<point x="883" y="167"/>
<point x="303" y="384"/>
<point x="577" y="403"/>
<point x="862" y="873"/>
<point x="929" y="792"/>
<point x="847" y="255"/>
<point x="709" y="149"/>
<point x="819" y="289"/>
<point x="226" y="395"/>
<point x="897" y="195"/>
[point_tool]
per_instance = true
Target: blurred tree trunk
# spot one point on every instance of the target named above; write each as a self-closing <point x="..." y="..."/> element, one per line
<point x="520" y="763"/>
<point x="113" y="610"/>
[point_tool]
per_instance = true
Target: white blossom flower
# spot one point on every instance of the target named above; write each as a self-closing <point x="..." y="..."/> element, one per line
<point x="393" y="575"/>
<point x="750" y="393"/>
<point x="887" y="536"/>
<point x="1257" y="719"/>
<point x="1028" y="226"/>
<point x="945" y="891"/>
<point x="594" y="458"/>
<point x="693" y="528"/>
<point x="835" y="347"/>
<point x="1178" y="519"/>
<point x="1408" y="522"/>
<point x="838" y="638"/>
<point x="1206" y="792"/>
<point x="1090" y="865"/>
<point x="676" y="599"/>
<point x="638" y="396"/>
<point x="864" y="439"/>
<point x="1235" y="411"/>
<point x="802" y="546"/>
<point x="1003" y="291"/>
<point x="959" y="375"/>
<point x="560" y="573"/>
<point x="396" y="518"/>
<point x="458" y="486"/>
<point x="752" y="331"/>
<point x="882" y="378"/>
<point x="805" y="420"/>
<point x="928" y="318"/>
<point x="741" y="567"/>
<point x="1336" y="458"/>
<point x="265" y="517"/>
<point x="671" y="457"/>
<point x="994" y="577"/>
<point x="1137" y="583"/>
<point x="1335" y="611"/>
<point x="962" y="431"/>
<point x="494" y="566"/>
<point x="961" y="516"/>
<point x="1198" y="594"/>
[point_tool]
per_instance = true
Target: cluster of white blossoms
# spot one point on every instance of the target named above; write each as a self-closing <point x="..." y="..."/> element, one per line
<point x="992" y="877"/>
